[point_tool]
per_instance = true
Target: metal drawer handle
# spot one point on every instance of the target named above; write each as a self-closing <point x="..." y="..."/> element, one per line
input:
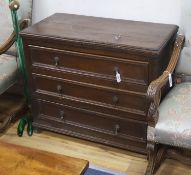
<point x="62" y="115"/>
<point x="59" y="88"/>
<point x="117" y="75"/>
<point x="115" y="99"/>
<point x="117" y="129"/>
<point x="56" y="59"/>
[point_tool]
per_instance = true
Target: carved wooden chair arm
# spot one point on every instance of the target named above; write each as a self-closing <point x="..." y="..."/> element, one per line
<point x="154" y="89"/>
<point x="14" y="5"/>
<point x="5" y="46"/>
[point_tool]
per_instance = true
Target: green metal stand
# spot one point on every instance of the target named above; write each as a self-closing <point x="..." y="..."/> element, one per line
<point x="14" y="6"/>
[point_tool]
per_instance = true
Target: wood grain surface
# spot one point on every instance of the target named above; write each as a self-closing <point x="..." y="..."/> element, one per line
<point x="129" y="34"/>
<point x="97" y="154"/>
<point x="19" y="160"/>
<point x="73" y="62"/>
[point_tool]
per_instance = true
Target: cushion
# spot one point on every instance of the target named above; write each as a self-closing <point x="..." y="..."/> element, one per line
<point x="184" y="63"/>
<point x="174" y="124"/>
<point x="8" y="72"/>
<point x="25" y="10"/>
<point x="5" y="21"/>
<point x="185" y="18"/>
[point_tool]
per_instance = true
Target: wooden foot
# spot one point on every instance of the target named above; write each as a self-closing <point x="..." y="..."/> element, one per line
<point x="156" y="155"/>
<point x="37" y="130"/>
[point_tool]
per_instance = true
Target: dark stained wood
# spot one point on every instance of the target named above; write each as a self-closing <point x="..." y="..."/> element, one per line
<point x="94" y="121"/>
<point x="19" y="160"/>
<point x="107" y="32"/>
<point x="89" y="63"/>
<point x="156" y="155"/>
<point x="112" y="110"/>
<point x="89" y="134"/>
<point x="94" y="93"/>
<point x="72" y="62"/>
<point x="88" y="77"/>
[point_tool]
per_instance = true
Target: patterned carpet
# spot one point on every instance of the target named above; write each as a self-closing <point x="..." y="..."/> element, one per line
<point x="92" y="170"/>
<point x="96" y="172"/>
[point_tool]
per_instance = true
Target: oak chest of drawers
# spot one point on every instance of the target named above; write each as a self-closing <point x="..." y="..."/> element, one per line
<point x="89" y="76"/>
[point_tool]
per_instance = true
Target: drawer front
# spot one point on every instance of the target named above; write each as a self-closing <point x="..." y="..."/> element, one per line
<point x="123" y="113"/>
<point x="87" y="134"/>
<point x="89" y="78"/>
<point x="89" y="92"/>
<point x="135" y="71"/>
<point x="130" y="129"/>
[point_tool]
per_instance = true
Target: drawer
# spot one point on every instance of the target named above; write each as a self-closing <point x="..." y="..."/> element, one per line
<point x="128" y="128"/>
<point x="123" y="113"/>
<point x="133" y="101"/>
<point x="88" y="78"/>
<point x="91" y="135"/>
<point x="129" y="70"/>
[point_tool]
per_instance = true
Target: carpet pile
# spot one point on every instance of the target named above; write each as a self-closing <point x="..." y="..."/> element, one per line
<point x="92" y="170"/>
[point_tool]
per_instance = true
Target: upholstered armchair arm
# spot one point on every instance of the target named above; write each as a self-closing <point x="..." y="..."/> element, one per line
<point x="154" y="89"/>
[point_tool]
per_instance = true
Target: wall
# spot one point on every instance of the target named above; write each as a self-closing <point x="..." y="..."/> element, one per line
<point x="185" y="20"/>
<point x="165" y="11"/>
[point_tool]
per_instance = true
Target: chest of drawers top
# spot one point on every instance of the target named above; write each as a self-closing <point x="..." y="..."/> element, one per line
<point x="142" y="38"/>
